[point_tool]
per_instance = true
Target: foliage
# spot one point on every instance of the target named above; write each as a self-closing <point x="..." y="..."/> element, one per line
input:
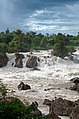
<point x="16" y="110"/>
<point x="70" y="49"/>
<point x="60" y="49"/>
<point x="3" y="47"/>
<point x="17" y="41"/>
<point x="12" y="110"/>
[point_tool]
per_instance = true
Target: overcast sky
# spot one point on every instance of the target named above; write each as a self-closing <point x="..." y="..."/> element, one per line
<point x="43" y="16"/>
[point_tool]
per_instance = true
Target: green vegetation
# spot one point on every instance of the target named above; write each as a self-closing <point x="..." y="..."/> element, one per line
<point x="13" y="108"/>
<point x="17" y="110"/>
<point x="17" y="41"/>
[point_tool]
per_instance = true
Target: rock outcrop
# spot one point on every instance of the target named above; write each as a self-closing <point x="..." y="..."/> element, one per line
<point x="75" y="113"/>
<point x="23" y="86"/>
<point x="52" y="115"/>
<point x="63" y="107"/>
<point x="18" y="60"/>
<point x="60" y="106"/>
<point x="3" y="60"/>
<point x="75" y="81"/>
<point x="32" y="62"/>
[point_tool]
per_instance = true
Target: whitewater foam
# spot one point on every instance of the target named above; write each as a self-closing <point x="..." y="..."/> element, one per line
<point x="51" y="81"/>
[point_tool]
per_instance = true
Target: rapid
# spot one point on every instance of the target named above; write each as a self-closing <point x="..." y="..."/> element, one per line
<point x="52" y="80"/>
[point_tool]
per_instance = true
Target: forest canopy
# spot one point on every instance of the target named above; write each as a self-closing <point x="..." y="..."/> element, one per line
<point x="17" y="41"/>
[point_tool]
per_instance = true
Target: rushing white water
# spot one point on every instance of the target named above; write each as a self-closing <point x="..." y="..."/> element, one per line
<point x="50" y="82"/>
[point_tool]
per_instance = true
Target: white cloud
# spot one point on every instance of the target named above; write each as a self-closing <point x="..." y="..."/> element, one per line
<point x="62" y="18"/>
<point x="38" y="12"/>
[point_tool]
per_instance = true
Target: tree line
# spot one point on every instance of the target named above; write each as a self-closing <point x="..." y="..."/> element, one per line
<point x="17" y="41"/>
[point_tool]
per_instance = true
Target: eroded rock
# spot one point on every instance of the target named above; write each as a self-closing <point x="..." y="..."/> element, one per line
<point x="18" y="60"/>
<point x="32" y="62"/>
<point x="23" y="86"/>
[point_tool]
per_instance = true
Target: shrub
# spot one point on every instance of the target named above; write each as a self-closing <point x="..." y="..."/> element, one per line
<point x="15" y="109"/>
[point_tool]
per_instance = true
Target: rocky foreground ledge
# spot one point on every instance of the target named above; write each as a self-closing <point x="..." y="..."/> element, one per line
<point x="63" y="107"/>
<point x="13" y="108"/>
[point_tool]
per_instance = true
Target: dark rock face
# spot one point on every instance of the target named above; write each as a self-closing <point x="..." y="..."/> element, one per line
<point x="21" y="56"/>
<point x="62" y="107"/>
<point x="75" y="113"/>
<point x="47" y="102"/>
<point x="53" y="116"/>
<point x="36" y="112"/>
<point x="32" y="62"/>
<point x="75" y="80"/>
<point x="3" y="61"/>
<point x="18" y="60"/>
<point x="75" y="87"/>
<point x="36" y="69"/>
<point x="23" y="86"/>
<point x="18" y="63"/>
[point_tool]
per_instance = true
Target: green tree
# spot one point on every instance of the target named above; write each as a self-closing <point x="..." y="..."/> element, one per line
<point x="60" y="49"/>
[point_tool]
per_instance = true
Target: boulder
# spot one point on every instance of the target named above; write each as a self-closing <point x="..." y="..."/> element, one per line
<point x="32" y="62"/>
<point x="47" y="102"/>
<point x="23" y="86"/>
<point x="75" y="87"/>
<point x="75" y="80"/>
<point x="36" y="112"/>
<point x="21" y="56"/>
<point x="75" y="113"/>
<point x="18" y="60"/>
<point x="61" y="106"/>
<point x="3" y="60"/>
<point x="53" y="116"/>
<point x="18" y="63"/>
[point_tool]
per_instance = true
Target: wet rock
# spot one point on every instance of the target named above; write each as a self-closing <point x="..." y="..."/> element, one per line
<point x="71" y="57"/>
<point x="75" y="87"/>
<point x="75" y="80"/>
<point x="18" y="63"/>
<point x="32" y="62"/>
<point x="36" y="112"/>
<point x="36" y="69"/>
<point x="38" y="59"/>
<point x="21" y="56"/>
<point x="18" y="60"/>
<point x="75" y="113"/>
<point x="23" y="86"/>
<point x="47" y="102"/>
<point x="28" y="55"/>
<point x="3" y="60"/>
<point x="61" y="106"/>
<point x="53" y="116"/>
